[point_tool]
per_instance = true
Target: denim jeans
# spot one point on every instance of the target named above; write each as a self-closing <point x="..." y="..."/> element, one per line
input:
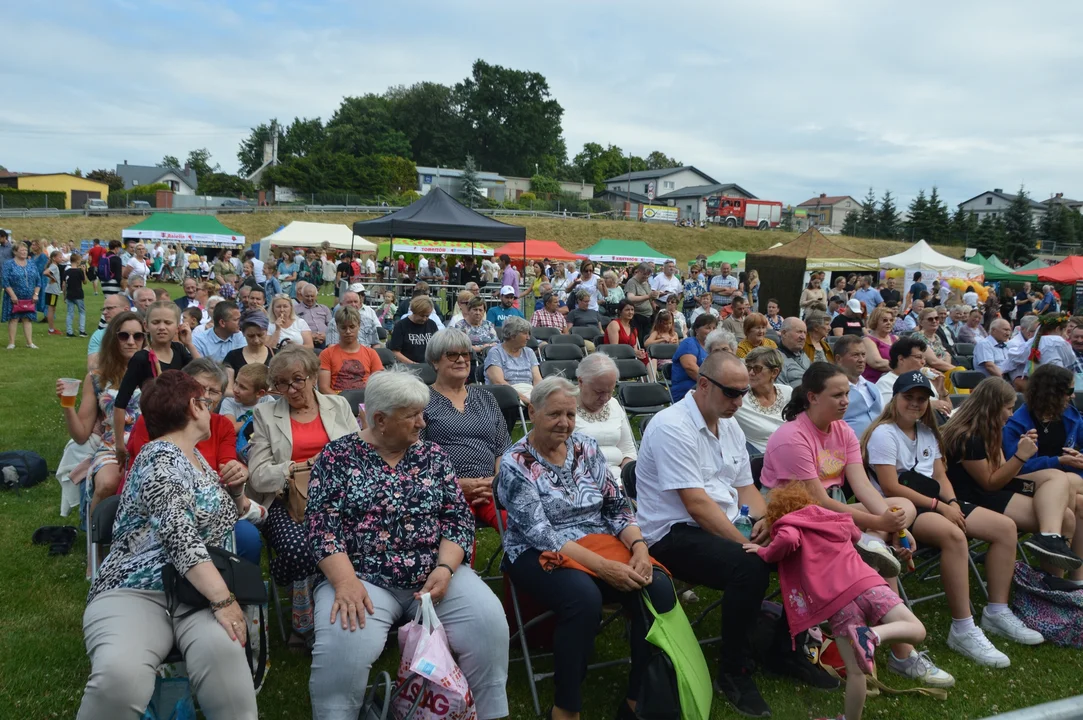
<point x="76" y="307"/>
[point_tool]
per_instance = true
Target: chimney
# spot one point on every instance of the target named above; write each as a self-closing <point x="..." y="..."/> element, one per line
<point x="1060" y="195"/>
<point x="125" y="162"/>
<point x="998" y="190"/>
<point x="823" y="195"/>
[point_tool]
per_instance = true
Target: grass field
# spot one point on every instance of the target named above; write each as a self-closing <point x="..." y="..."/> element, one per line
<point x="681" y="243"/>
<point x="43" y="665"/>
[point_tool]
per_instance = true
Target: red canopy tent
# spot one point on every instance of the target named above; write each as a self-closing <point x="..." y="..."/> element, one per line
<point x="1066" y="272"/>
<point x="536" y="250"/>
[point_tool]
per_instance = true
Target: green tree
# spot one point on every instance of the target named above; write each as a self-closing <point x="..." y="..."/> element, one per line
<point x="472" y="196"/>
<point x="512" y="120"/>
<point x="397" y="175"/>
<point x="542" y="186"/>
<point x="658" y="160"/>
<point x="986" y="239"/>
<point x="964" y="227"/>
<point x="250" y="153"/>
<point x="219" y="183"/>
<point x="303" y="137"/>
<point x="786" y="222"/>
<point x="596" y="164"/>
<point x="1058" y="226"/>
<point x="867" y="222"/>
<point x="169" y="161"/>
<point x="427" y="114"/>
<point x="77" y="172"/>
<point x="849" y="223"/>
<point x="109" y="177"/>
<point x="1019" y="235"/>
<point x="200" y="161"/>
<point x="363" y="126"/>
<point x="887" y="217"/>
<point x="939" y="224"/>
<point x="918" y="222"/>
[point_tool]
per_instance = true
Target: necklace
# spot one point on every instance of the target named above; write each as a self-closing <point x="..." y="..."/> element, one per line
<point x="774" y="408"/>
<point x="600" y="416"/>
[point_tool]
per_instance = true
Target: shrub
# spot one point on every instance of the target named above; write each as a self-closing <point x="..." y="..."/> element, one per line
<point x="13" y="198"/>
<point x="527" y="197"/>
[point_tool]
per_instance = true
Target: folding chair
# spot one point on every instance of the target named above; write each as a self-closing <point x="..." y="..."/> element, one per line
<point x="386" y="357"/>
<point x="666" y="371"/>
<point x="520" y="629"/>
<point x="588" y="333"/>
<point x="572" y="338"/>
<point x="957" y="399"/>
<point x="661" y="351"/>
<point x="964" y="361"/>
<point x="544" y="333"/>
<point x="381" y="332"/>
<point x="618" y="352"/>
<point x="927" y="568"/>
<point x="1078" y="401"/>
<point x="356" y="398"/>
<point x="630" y="369"/>
<point x="966" y="379"/>
<point x="425" y="372"/>
<point x="565" y="351"/>
<point x="510" y="405"/>
<point x="963" y="348"/>
<point x="831" y="340"/>
<point x="285" y="619"/>
<point x="565" y="368"/>
<point x="101" y="532"/>
<point x="628" y="480"/>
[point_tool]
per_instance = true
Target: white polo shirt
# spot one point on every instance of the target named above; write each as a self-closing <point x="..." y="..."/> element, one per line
<point x="678" y="452"/>
<point x="666" y="286"/>
<point x="989" y="350"/>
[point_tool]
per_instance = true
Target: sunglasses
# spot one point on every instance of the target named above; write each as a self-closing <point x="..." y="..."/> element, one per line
<point x="125" y="336"/>
<point x="455" y="356"/>
<point x="731" y="393"/>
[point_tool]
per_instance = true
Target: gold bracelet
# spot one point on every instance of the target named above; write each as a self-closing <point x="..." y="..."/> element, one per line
<point x="216" y="606"/>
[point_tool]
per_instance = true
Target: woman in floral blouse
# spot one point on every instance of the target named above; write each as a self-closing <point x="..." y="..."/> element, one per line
<point x="561" y="501"/>
<point x="173" y="506"/>
<point x="387" y="522"/>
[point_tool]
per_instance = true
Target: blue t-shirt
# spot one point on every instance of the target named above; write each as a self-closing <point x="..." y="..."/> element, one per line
<point x="870" y="296"/>
<point x="916" y="290"/>
<point x="498" y="314"/>
<point x="1048" y="304"/>
<point x="681" y="382"/>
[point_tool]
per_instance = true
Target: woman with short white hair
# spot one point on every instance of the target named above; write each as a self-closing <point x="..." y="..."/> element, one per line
<point x="512" y="362"/>
<point x="387" y="523"/>
<point x="721" y="341"/>
<point x="600" y="415"/>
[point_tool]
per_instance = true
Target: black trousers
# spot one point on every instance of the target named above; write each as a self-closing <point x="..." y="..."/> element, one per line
<point x="696" y="556"/>
<point x="642" y="325"/>
<point x="577" y="598"/>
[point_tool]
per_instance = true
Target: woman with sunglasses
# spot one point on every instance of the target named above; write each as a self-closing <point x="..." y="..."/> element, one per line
<point x="123" y="338"/>
<point x="465" y="420"/>
<point x="164" y="352"/>
<point x="903" y="449"/>
<point x="761" y="413"/>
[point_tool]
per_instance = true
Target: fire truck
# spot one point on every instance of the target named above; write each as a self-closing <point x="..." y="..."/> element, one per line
<point x="742" y="212"/>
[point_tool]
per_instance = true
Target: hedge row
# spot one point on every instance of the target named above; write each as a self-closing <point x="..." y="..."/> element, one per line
<point x="12" y="198"/>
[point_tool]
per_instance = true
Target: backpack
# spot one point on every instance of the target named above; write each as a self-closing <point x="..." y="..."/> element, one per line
<point x="1057" y="615"/>
<point x="244" y="437"/>
<point x="105" y="272"/>
<point x="27" y="469"/>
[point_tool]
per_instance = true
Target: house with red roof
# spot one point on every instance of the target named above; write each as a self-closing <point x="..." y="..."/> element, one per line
<point x="828" y="211"/>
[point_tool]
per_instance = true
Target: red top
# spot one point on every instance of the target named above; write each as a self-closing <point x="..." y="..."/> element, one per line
<point x="95" y="252"/>
<point x="308" y="439"/>
<point x="217" y="450"/>
<point x="626" y="338"/>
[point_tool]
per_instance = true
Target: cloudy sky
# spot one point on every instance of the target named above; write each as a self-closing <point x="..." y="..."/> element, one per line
<point x="789" y="99"/>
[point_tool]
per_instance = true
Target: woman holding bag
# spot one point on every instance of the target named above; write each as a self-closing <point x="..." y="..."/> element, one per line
<point x="387" y="522"/>
<point x="562" y="501"/>
<point x="21" y="288"/>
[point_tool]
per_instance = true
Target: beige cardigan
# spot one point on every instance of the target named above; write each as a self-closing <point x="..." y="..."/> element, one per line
<point x="272" y="442"/>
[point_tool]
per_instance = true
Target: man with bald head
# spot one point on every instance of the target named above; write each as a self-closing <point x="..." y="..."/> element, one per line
<point x="792" y="345"/>
<point x="367" y="333"/>
<point x="991" y="353"/>
<point x="692" y="477"/>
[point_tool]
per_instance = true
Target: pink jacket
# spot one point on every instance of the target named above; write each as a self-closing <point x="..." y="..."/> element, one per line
<point x="818" y="568"/>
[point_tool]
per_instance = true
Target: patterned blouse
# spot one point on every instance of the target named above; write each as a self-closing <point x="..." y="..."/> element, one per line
<point x="389" y="521"/>
<point x="693" y="289"/>
<point x="473" y="438"/>
<point x="484" y="334"/>
<point x="549" y="505"/>
<point x="170" y="510"/>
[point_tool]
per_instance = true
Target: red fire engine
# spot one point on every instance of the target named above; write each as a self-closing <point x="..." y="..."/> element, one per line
<point x="742" y="212"/>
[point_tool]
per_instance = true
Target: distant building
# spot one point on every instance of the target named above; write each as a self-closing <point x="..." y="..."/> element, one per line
<point x="182" y="181"/>
<point x="996" y="202"/>
<point x="665" y="180"/>
<point x="691" y="202"/>
<point x="77" y="190"/>
<point x="492" y="185"/>
<point x="516" y="186"/>
<point x="1059" y="199"/>
<point x="826" y="211"/>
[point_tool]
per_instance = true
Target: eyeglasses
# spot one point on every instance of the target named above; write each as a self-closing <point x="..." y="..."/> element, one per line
<point x="207" y="403"/>
<point x="125" y="336"/>
<point x="298" y="383"/>
<point x="731" y="393"/>
<point x="456" y="356"/>
<point x="755" y="369"/>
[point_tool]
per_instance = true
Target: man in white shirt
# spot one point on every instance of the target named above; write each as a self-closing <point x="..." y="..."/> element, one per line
<point x="865" y="401"/>
<point x="257" y="266"/>
<point x="370" y="266"/>
<point x="1019" y="350"/>
<point x="666" y="282"/>
<point x="908" y="355"/>
<point x="991" y="352"/>
<point x="692" y="477"/>
<point x="909" y="322"/>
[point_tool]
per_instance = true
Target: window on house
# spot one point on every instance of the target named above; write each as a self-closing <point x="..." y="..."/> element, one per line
<point x="646" y="188"/>
<point x="989" y="200"/>
<point x="668" y="184"/>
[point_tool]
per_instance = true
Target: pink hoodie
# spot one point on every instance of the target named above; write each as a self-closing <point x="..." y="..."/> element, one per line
<point x="818" y="568"/>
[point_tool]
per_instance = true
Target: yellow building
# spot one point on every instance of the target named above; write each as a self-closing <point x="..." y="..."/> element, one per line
<point x="76" y="190"/>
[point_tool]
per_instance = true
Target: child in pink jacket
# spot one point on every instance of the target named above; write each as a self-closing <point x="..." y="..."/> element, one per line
<point x="824" y="579"/>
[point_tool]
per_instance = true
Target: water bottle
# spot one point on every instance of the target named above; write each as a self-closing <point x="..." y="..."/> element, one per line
<point x="743" y="523"/>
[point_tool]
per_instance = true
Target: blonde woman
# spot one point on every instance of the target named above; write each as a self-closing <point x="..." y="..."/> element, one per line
<point x="755" y="328"/>
<point x="287" y="327"/>
<point x="878" y="342"/>
<point x="753" y="291"/>
<point x="813" y="294"/>
<point x="613" y="291"/>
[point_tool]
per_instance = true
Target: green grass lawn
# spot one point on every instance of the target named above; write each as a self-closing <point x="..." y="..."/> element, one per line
<point x="43" y="664"/>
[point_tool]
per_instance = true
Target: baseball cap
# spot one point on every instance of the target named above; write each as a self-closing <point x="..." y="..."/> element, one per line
<point x="911" y="380"/>
<point x="257" y="318"/>
<point x="507" y="290"/>
<point x="854" y="305"/>
<point x="357" y="288"/>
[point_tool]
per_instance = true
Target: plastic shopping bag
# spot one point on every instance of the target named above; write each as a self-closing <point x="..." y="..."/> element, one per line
<point x="437" y="679"/>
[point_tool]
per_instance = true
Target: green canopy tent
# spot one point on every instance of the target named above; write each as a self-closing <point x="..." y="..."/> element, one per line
<point x="1034" y="264"/>
<point x="610" y="250"/>
<point x="995" y="270"/>
<point x="733" y="257"/>
<point x="201" y="230"/>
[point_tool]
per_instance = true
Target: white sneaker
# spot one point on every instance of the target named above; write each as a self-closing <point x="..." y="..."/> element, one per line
<point x="920" y="667"/>
<point x="877" y="555"/>
<point x="11" y="347"/>
<point x="974" y="645"/>
<point x="1009" y="626"/>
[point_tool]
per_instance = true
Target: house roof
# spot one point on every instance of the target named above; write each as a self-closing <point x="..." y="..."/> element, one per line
<point x="827" y="200"/>
<point x="451" y="172"/>
<point x="704" y="190"/>
<point x="1062" y="201"/>
<point x="1034" y="204"/>
<point x="626" y="195"/>
<point x="654" y="174"/>
<point x="148" y="175"/>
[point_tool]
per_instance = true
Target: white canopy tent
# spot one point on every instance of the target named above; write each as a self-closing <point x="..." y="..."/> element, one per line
<point x="314" y="234"/>
<point x="921" y="257"/>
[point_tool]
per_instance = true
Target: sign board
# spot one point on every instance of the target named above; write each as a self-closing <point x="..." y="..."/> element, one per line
<point x="650" y="190"/>
<point x="427" y="179"/>
<point x="1078" y="297"/>
<point x="659" y="213"/>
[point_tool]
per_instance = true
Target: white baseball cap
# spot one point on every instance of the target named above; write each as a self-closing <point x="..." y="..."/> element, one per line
<point x="357" y="288"/>
<point x="854" y="305"/>
<point x="507" y="290"/>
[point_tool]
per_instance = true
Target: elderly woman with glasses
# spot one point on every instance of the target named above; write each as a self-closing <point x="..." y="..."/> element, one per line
<point x="937" y="356"/>
<point x="465" y="420"/>
<point x="562" y="501"/>
<point x="287" y="436"/>
<point x="387" y="523"/>
<point x="512" y="362"/>
<point x="599" y="414"/>
<point x="761" y="413"/>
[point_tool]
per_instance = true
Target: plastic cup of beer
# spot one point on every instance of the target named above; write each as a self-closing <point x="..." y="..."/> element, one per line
<point x="69" y="392"/>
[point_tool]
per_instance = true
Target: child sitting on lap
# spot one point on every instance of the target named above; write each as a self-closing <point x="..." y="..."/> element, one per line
<point x="824" y="579"/>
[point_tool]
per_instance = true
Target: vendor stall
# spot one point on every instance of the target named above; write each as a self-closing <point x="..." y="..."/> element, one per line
<point x="623" y="252"/>
<point x="315" y="235"/>
<point x="536" y="250"/>
<point x="188" y="230"/>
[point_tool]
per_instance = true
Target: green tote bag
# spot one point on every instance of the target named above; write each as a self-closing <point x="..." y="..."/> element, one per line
<point x="673" y="635"/>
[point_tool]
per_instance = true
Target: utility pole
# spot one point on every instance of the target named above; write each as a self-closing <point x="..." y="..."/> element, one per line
<point x="629" y="200"/>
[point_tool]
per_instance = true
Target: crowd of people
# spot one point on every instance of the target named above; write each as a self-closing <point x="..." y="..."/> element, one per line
<point x="237" y="423"/>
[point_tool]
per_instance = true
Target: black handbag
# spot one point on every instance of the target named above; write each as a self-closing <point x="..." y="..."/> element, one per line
<point x="243" y="578"/>
<point x="918" y="482"/>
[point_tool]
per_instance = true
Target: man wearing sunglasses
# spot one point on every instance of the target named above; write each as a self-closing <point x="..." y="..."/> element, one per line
<point x="692" y="478"/>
